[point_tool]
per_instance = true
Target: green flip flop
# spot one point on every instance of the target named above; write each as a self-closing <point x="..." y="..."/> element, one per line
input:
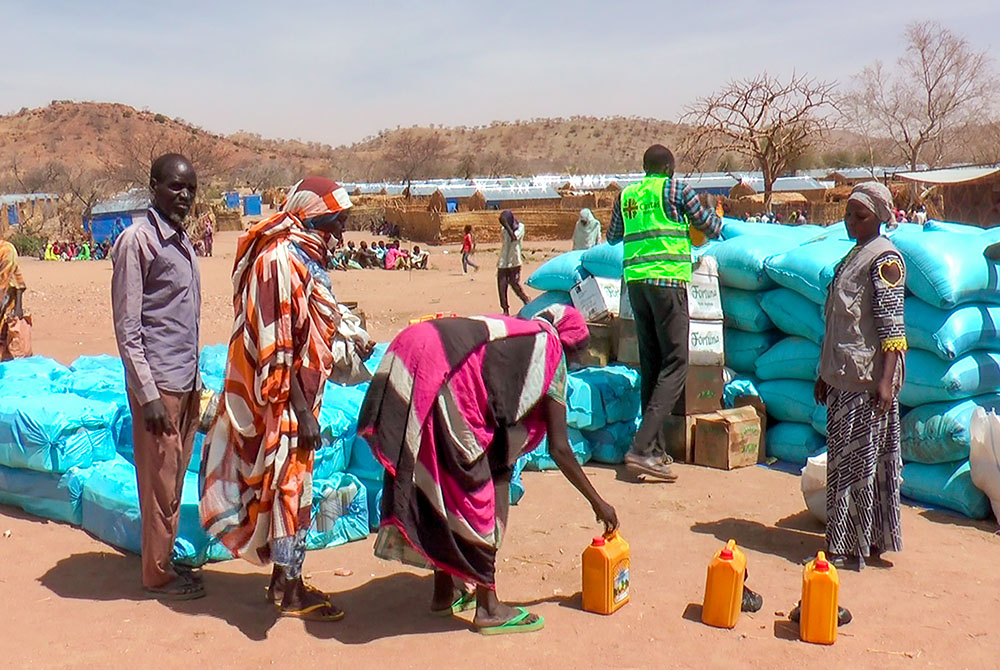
<point x="515" y="625"/>
<point x="465" y="602"/>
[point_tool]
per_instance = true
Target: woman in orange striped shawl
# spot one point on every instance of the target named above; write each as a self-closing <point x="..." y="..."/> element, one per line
<point x="258" y="456"/>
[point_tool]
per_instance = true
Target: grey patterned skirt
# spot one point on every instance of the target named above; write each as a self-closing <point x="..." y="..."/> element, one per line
<point x="863" y="476"/>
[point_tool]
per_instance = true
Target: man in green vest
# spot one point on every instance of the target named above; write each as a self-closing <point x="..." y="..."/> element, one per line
<point x="654" y="217"/>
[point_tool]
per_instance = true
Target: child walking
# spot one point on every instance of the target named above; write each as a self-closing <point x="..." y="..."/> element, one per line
<point x="468" y="248"/>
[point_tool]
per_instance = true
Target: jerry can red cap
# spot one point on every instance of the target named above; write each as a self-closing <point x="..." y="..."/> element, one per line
<point x="598" y="541"/>
<point x="726" y="554"/>
<point x="822" y="565"/>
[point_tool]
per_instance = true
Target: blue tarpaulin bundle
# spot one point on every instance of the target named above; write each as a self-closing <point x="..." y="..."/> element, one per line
<point x="340" y="511"/>
<point x="53" y="432"/>
<point x="46" y="494"/>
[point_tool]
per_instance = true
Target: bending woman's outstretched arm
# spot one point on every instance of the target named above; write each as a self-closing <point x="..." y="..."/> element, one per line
<point x="562" y="454"/>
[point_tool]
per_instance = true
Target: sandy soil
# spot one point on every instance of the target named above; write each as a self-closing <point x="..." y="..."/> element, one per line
<point x="71" y="601"/>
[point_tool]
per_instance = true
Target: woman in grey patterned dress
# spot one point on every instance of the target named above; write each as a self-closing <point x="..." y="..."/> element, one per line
<point x="861" y="372"/>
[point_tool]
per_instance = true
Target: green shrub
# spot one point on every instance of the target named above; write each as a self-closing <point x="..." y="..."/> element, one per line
<point x="27" y="245"/>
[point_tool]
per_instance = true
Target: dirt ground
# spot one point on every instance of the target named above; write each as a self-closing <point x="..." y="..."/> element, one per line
<point x="70" y="601"/>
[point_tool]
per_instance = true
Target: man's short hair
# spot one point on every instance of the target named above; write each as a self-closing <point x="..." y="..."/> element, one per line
<point x="160" y="165"/>
<point x="658" y="160"/>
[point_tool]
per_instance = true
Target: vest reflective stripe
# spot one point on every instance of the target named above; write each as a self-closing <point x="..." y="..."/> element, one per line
<point x="656" y="246"/>
<point x="650" y="234"/>
<point x="656" y="258"/>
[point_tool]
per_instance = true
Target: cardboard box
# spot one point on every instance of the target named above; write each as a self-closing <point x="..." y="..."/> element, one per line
<point x="704" y="294"/>
<point x="703" y="390"/>
<point x="705" y="344"/>
<point x="600" y="349"/>
<point x="757" y="404"/>
<point x="727" y="439"/>
<point x="597" y="298"/>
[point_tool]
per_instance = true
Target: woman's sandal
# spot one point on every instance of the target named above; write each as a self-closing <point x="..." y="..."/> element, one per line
<point x="316" y="612"/>
<point x="275" y="596"/>
<point x="515" y="625"/>
<point x="465" y="602"/>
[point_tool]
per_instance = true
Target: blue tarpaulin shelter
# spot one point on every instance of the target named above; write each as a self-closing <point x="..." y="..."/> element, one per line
<point x="251" y="205"/>
<point x="110" y="217"/>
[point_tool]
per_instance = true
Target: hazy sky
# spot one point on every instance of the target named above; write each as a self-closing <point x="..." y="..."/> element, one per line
<point x="337" y="71"/>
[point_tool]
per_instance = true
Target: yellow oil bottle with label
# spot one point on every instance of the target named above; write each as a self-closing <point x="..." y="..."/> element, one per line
<point x="820" y="594"/>
<point x="606" y="574"/>
<point x="724" y="587"/>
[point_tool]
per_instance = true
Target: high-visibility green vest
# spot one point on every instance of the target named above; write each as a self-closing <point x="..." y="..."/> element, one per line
<point x="656" y="247"/>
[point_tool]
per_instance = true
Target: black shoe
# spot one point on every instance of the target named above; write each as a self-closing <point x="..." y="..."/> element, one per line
<point x="844" y="616"/>
<point x="752" y="601"/>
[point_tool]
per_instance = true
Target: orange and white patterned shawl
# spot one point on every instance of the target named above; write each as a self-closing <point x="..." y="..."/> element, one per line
<point x="256" y="483"/>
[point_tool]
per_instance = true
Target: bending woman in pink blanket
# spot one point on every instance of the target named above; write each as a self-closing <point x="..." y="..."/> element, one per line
<point x="452" y="407"/>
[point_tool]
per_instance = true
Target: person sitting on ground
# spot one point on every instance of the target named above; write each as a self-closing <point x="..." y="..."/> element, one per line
<point x="50" y="253"/>
<point x="454" y="404"/>
<point x="587" y="232"/>
<point x="801" y="218"/>
<point x="418" y="259"/>
<point x="83" y="254"/>
<point x="396" y="258"/>
<point x="366" y="259"/>
<point x="378" y="248"/>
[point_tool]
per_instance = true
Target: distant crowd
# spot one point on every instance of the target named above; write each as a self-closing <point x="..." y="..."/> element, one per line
<point x="914" y="215"/>
<point x="75" y="251"/>
<point x="379" y="255"/>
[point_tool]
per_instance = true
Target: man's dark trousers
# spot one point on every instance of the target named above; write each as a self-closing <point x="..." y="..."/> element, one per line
<point x="661" y="322"/>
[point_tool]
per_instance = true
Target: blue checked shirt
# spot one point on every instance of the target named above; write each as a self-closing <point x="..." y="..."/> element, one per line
<point x="681" y="204"/>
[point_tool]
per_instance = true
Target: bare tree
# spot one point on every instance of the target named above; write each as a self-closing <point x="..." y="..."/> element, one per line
<point x="134" y="150"/>
<point x="260" y="174"/>
<point x="85" y="186"/>
<point x="414" y="155"/>
<point x="768" y="122"/>
<point x="940" y="85"/>
<point x="35" y="178"/>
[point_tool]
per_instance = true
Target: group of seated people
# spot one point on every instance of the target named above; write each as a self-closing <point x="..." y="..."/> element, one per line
<point x="75" y="251"/>
<point x="379" y="255"/>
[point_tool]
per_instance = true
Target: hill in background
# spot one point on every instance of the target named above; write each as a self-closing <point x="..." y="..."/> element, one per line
<point x="97" y="148"/>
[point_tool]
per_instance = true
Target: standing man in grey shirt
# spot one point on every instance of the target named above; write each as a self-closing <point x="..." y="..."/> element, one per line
<point x="509" y="265"/>
<point x="156" y="301"/>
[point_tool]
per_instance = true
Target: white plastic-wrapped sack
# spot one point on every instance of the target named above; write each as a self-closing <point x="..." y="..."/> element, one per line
<point x="814" y="486"/>
<point x="984" y="455"/>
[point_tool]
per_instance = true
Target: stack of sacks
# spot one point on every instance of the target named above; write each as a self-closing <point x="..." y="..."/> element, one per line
<point x="49" y="441"/>
<point x="60" y="429"/>
<point x="749" y="332"/>
<point x="555" y="277"/>
<point x="28" y="376"/>
<point x="602" y="412"/>
<point x="953" y="366"/>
